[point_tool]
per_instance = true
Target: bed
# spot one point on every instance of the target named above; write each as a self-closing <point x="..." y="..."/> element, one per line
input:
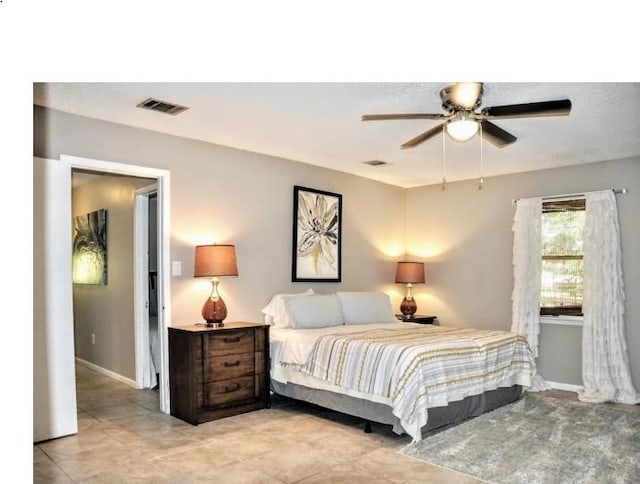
<point x="347" y="352"/>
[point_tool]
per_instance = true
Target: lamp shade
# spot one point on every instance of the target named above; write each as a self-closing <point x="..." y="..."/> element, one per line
<point x="410" y="272"/>
<point x="215" y="260"/>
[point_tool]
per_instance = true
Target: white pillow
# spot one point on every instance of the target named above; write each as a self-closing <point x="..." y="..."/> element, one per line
<point x="274" y="312"/>
<point x="318" y="311"/>
<point x="366" y="307"/>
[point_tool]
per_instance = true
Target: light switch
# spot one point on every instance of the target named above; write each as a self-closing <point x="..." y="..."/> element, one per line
<point x="176" y="268"/>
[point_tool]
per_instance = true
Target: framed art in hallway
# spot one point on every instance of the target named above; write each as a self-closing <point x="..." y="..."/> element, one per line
<point x="317" y="234"/>
<point x="90" y="248"/>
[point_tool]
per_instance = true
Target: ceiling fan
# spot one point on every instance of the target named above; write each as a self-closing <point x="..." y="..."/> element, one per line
<point x="462" y="120"/>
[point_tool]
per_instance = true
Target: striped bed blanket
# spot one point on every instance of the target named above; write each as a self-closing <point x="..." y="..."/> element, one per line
<point x="419" y="367"/>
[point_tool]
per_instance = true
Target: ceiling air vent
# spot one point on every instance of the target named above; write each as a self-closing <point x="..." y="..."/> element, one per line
<point x="375" y="163"/>
<point x="161" y="106"/>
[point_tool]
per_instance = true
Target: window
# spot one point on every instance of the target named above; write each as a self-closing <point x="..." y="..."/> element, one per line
<point x="562" y="257"/>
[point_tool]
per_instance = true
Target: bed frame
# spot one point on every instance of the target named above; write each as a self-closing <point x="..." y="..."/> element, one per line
<point x="455" y="412"/>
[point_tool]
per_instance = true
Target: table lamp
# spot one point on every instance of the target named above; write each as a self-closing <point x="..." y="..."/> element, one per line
<point x="409" y="273"/>
<point x="215" y="261"/>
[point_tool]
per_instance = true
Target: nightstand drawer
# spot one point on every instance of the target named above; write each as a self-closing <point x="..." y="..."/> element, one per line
<point x="228" y="391"/>
<point x="229" y="366"/>
<point x="229" y="342"/>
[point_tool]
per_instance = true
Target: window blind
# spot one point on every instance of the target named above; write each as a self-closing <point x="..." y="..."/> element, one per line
<point x="562" y="257"/>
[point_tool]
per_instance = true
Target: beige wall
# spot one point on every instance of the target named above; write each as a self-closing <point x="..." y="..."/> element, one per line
<point x="464" y="235"/>
<point x="107" y="311"/>
<point x="246" y="199"/>
<point x="231" y="196"/>
<point x="465" y="238"/>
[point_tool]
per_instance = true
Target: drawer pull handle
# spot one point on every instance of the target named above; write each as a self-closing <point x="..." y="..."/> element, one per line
<point x="232" y="388"/>
<point x="227" y="364"/>
<point x="232" y="340"/>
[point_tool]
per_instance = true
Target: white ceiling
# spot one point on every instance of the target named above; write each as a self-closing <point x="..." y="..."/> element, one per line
<point x="319" y="123"/>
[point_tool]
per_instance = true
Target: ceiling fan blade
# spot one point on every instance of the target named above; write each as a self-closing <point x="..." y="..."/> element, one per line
<point x="382" y="117"/>
<point x="560" y="107"/>
<point x="423" y="137"/>
<point x="496" y="135"/>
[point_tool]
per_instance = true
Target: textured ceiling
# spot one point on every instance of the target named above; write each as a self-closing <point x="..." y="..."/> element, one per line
<point x="319" y="123"/>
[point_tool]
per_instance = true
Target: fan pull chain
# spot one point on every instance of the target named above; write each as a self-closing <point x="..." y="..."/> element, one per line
<point x="481" y="183"/>
<point x="444" y="158"/>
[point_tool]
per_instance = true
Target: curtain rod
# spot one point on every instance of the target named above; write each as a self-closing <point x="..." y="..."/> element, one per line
<point x="569" y="195"/>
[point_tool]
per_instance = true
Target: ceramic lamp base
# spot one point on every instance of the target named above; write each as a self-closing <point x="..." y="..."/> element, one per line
<point x="214" y="310"/>
<point x="408" y="307"/>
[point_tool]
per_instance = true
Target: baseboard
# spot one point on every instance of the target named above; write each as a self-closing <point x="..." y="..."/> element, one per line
<point x="564" y="386"/>
<point x="109" y="373"/>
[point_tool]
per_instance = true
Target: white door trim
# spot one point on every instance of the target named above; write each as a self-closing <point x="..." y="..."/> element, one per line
<point x="141" y="285"/>
<point x="164" y="282"/>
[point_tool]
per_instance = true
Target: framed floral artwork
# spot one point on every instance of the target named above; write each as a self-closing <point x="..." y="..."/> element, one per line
<point x="317" y="233"/>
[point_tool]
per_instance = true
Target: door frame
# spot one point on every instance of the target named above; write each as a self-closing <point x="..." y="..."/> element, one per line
<point x="141" y="282"/>
<point x="163" y="180"/>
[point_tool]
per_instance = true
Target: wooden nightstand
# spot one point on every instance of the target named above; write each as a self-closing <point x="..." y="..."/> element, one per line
<point x="218" y="372"/>
<point x="417" y="318"/>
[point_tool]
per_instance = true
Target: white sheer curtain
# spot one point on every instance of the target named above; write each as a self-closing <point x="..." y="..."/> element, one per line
<point x="605" y="364"/>
<point x="527" y="267"/>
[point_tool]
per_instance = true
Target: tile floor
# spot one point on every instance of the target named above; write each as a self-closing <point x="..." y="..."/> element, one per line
<point x="123" y="437"/>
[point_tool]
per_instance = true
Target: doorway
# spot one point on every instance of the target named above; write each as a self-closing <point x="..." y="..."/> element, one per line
<point x="54" y="409"/>
<point x="162" y="286"/>
<point x="105" y="307"/>
<point x="162" y="291"/>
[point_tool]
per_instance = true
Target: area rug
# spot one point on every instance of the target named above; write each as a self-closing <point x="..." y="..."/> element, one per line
<point x="541" y="440"/>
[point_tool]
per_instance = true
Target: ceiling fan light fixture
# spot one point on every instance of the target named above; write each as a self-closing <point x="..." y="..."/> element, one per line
<point x="467" y="94"/>
<point x="462" y="120"/>
<point x="462" y="129"/>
